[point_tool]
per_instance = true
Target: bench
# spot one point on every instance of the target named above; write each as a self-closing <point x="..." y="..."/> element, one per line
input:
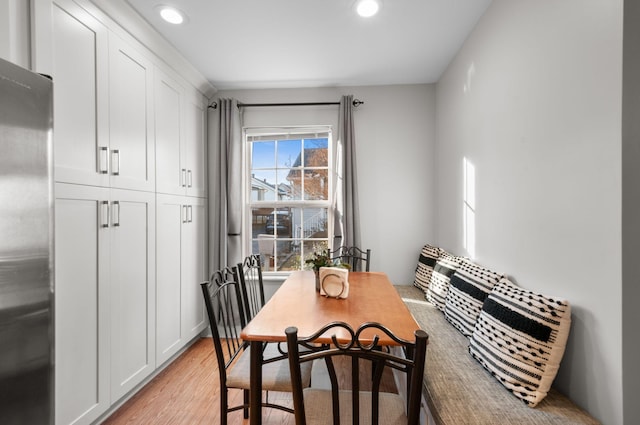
<point x="458" y="390"/>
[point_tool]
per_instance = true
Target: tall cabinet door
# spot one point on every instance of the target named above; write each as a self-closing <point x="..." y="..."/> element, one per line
<point x="131" y="129"/>
<point x="132" y="306"/>
<point x="181" y="267"/>
<point x="194" y="267"/>
<point x="171" y="176"/>
<point x="195" y="151"/>
<point x="80" y="57"/>
<point x="170" y="217"/>
<point x="81" y="303"/>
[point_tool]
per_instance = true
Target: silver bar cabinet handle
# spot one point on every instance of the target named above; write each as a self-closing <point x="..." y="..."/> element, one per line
<point x="190" y="215"/>
<point x="115" y="163"/>
<point x="184" y="214"/>
<point x="189" y="174"/>
<point x="104" y="212"/>
<point x="116" y="213"/>
<point x="103" y="160"/>
<point x="183" y="177"/>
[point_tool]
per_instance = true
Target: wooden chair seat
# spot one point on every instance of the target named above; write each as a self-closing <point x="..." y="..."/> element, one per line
<point x="275" y="375"/>
<point x="318" y="405"/>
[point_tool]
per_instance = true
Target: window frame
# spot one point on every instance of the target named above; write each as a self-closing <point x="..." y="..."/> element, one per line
<point x="289" y="133"/>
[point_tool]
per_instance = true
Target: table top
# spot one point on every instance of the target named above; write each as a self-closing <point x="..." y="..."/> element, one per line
<point x="372" y="298"/>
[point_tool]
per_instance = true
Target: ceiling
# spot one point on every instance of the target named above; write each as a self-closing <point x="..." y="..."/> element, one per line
<point x="243" y="44"/>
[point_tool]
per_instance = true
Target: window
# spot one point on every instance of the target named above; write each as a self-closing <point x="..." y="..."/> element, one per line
<point x="289" y="183"/>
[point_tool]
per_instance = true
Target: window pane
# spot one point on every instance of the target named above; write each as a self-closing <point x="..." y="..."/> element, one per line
<point x="319" y="145"/>
<point x="289" y="153"/>
<point x="277" y="223"/>
<point x="316" y="153"/>
<point x="264" y="245"/>
<point x="289" y="189"/>
<point x="287" y="255"/>
<point x="316" y="185"/>
<point x="263" y="185"/>
<point x="263" y="155"/>
<point x="314" y="224"/>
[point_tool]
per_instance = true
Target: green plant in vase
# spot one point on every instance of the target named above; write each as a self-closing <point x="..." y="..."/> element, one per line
<point x="322" y="259"/>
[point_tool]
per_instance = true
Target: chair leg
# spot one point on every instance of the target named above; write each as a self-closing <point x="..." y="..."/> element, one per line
<point x="246" y="403"/>
<point x="223" y="407"/>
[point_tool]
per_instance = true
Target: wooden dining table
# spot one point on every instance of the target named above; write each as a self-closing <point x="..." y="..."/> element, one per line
<point x="372" y="298"/>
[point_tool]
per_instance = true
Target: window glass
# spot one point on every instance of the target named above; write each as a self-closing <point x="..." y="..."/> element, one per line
<point x="289" y="184"/>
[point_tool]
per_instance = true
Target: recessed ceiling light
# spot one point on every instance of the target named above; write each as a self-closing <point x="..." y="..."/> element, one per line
<point x="172" y="15"/>
<point x="367" y="8"/>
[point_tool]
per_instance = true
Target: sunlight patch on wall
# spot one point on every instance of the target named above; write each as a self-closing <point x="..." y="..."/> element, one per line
<point x="471" y="72"/>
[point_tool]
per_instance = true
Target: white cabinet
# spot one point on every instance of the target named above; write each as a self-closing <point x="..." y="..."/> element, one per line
<point x="132" y="289"/>
<point x="181" y="266"/>
<point x="103" y="103"/>
<point x="82" y="301"/>
<point x="180" y="138"/>
<point x="120" y="114"/>
<point x="105" y="297"/>
<point x="81" y="114"/>
<point x="131" y="150"/>
<point x="195" y="145"/>
<point x="171" y="176"/>
<point x="194" y="267"/>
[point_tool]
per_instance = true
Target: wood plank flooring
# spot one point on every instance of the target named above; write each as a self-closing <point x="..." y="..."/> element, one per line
<point x="187" y="393"/>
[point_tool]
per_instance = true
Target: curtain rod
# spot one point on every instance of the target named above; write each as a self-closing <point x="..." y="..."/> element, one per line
<point x="355" y="104"/>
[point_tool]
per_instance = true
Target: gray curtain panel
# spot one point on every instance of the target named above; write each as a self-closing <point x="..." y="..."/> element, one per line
<point x="225" y="185"/>
<point x="347" y="228"/>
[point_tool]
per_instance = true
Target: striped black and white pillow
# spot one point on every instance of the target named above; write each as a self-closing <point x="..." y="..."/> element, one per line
<point x="445" y="267"/>
<point x="470" y="285"/>
<point x="427" y="261"/>
<point x="520" y="337"/>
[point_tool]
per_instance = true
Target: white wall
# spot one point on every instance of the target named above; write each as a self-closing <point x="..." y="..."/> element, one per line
<point x="394" y="140"/>
<point x="533" y="100"/>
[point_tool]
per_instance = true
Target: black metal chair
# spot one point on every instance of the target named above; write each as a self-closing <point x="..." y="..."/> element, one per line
<point x="223" y="300"/>
<point x="352" y="406"/>
<point x="250" y="278"/>
<point x="353" y="256"/>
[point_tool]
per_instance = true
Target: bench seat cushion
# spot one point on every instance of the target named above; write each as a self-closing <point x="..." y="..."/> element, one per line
<point x="458" y="390"/>
<point x="426" y="262"/>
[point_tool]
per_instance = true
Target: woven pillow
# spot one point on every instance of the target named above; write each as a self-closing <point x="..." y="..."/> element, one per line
<point x="427" y="261"/>
<point x="470" y="285"/>
<point x="520" y="337"/>
<point x="445" y="267"/>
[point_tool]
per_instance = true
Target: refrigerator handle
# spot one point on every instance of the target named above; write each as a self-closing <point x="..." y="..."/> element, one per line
<point x="116" y="213"/>
<point x="103" y="160"/>
<point x="104" y="211"/>
<point x="115" y="163"/>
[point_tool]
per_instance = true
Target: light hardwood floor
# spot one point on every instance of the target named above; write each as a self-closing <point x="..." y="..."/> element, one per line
<point x="187" y="393"/>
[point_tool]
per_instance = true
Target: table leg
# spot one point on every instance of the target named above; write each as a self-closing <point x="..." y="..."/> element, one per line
<point x="255" y="403"/>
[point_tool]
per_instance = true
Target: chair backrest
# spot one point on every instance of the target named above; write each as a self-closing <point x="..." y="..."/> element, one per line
<point x="222" y="297"/>
<point x="250" y="279"/>
<point x="411" y="361"/>
<point x="353" y="256"/>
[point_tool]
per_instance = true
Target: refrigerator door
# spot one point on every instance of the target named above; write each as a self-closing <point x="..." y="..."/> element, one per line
<point x="26" y="241"/>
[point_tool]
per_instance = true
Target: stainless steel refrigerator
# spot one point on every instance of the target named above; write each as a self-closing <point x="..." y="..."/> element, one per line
<point x="26" y="247"/>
